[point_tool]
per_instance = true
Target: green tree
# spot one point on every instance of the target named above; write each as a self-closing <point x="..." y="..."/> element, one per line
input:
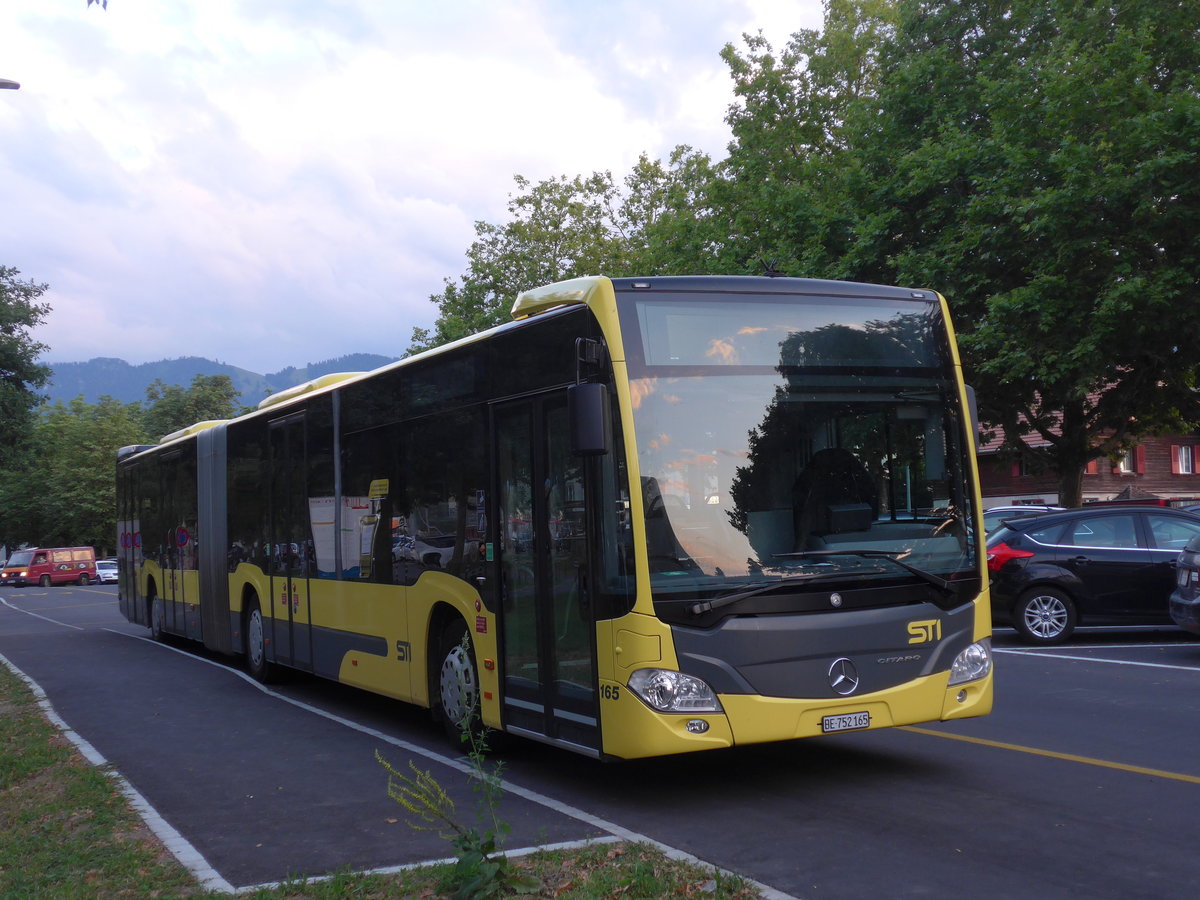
<point x="171" y="407"/>
<point x="557" y="228"/>
<point x="778" y="199"/>
<point x="63" y="493"/>
<point x="1036" y="162"/>
<point x="20" y="373"/>
<point x="565" y="227"/>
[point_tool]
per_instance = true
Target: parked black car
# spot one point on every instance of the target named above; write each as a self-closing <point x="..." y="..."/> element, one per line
<point x="997" y="514"/>
<point x="1185" y="601"/>
<point x="1104" y="566"/>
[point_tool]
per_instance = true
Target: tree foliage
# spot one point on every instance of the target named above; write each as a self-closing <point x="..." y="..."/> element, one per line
<point x="63" y="491"/>
<point x="171" y="407"/>
<point x="1036" y="162"/>
<point x="564" y="227"/>
<point x="20" y="373"/>
<point x="778" y="195"/>
<point x="58" y="489"/>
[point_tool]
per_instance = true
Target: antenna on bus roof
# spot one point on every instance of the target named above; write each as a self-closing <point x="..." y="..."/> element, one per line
<point x="769" y="269"/>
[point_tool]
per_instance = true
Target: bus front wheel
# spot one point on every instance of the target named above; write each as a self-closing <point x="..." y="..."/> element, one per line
<point x="260" y="668"/>
<point x="457" y="697"/>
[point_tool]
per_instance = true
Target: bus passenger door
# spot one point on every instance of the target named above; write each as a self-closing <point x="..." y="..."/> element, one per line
<point x="291" y="549"/>
<point x="546" y="623"/>
<point x="172" y="544"/>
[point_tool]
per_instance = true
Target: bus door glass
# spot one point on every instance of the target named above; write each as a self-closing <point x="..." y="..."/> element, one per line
<point x="546" y="617"/>
<point x="170" y="541"/>
<point x="291" y="555"/>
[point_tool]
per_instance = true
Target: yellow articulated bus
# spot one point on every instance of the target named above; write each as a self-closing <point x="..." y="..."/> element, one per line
<point x="648" y="516"/>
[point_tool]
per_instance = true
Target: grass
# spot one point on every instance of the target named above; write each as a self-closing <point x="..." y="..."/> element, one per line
<point x="66" y="831"/>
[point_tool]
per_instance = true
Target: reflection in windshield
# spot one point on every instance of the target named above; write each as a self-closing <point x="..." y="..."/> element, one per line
<point x="753" y="472"/>
<point x="787" y="468"/>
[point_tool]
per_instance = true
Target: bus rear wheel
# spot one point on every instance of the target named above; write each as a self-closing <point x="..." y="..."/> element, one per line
<point x="456" y="701"/>
<point x="158" y="618"/>
<point x="260" y="668"/>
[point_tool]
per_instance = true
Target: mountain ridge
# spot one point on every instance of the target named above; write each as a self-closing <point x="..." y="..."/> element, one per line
<point x="123" y="381"/>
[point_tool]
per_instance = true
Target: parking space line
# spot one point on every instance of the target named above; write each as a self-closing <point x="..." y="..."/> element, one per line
<point x="1049" y="654"/>
<point x="1053" y="754"/>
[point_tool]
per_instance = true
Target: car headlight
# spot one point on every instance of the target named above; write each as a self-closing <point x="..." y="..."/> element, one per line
<point x="973" y="663"/>
<point x="669" y="691"/>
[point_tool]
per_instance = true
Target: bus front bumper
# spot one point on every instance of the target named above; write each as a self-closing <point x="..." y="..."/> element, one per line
<point x="633" y="730"/>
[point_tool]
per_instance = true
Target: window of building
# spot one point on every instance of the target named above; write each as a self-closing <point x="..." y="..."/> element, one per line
<point x="1183" y="460"/>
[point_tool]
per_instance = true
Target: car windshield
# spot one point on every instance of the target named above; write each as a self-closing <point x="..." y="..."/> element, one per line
<point x="21" y="558"/>
<point x="790" y="446"/>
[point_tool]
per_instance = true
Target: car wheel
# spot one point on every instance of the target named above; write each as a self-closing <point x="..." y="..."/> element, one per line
<point x="457" y="698"/>
<point x="84" y="580"/>
<point x="1044" y="615"/>
<point x="44" y="581"/>
<point x="260" y="668"/>
<point x="158" y="618"/>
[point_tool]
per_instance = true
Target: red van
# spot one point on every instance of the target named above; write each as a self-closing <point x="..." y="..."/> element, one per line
<point x="50" y="565"/>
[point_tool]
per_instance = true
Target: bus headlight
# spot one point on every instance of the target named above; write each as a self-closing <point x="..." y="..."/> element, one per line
<point x="972" y="664"/>
<point x="673" y="692"/>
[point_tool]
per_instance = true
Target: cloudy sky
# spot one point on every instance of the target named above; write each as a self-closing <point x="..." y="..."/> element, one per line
<point x="276" y="182"/>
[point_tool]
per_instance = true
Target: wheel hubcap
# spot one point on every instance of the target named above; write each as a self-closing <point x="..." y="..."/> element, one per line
<point x="458" y="689"/>
<point x="1046" y="617"/>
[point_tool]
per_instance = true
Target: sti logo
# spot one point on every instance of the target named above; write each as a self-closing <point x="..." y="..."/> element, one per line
<point x="925" y="631"/>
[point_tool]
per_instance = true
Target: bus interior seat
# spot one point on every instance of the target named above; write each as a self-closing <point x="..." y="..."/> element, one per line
<point x="834" y="494"/>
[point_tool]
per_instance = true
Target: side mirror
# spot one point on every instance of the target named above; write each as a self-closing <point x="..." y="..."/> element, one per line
<point x="591" y="425"/>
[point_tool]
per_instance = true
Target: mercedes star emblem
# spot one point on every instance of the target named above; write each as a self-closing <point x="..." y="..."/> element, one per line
<point x="843" y="676"/>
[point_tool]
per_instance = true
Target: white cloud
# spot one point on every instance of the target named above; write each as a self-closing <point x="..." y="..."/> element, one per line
<point x="273" y="182"/>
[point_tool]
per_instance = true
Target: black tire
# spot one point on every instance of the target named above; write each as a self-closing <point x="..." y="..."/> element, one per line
<point x="260" y="668"/>
<point x="1045" y="615"/>
<point x="84" y="580"/>
<point x="44" y="581"/>
<point x="456" y="682"/>
<point x="157" y="614"/>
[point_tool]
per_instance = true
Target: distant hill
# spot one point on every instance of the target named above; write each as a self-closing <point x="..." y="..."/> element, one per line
<point x="122" y="381"/>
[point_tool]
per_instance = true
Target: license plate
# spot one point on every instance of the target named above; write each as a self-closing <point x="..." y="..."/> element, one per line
<point x="846" y="722"/>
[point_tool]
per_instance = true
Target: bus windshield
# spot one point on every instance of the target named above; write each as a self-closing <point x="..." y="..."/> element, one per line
<point x="789" y="438"/>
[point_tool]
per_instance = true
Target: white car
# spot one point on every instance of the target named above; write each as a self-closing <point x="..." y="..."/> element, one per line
<point x="106" y="571"/>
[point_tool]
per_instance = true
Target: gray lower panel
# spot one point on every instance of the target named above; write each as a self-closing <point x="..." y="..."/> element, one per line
<point x="330" y="645"/>
<point x="791" y="655"/>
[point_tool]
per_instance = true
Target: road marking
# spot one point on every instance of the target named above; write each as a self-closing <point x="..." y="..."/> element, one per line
<point x="37" y="616"/>
<point x="1052" y="754"/>
<point x="1045" y="654"/>
<point x="195" y="862"/>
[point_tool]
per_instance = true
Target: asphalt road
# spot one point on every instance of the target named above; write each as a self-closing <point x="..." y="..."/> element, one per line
<point x="1085" y="781"/>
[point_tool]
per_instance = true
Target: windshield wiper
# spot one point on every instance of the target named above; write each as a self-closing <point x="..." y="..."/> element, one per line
<point x="704" y="606"/>
<point x="895" y="556"/>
